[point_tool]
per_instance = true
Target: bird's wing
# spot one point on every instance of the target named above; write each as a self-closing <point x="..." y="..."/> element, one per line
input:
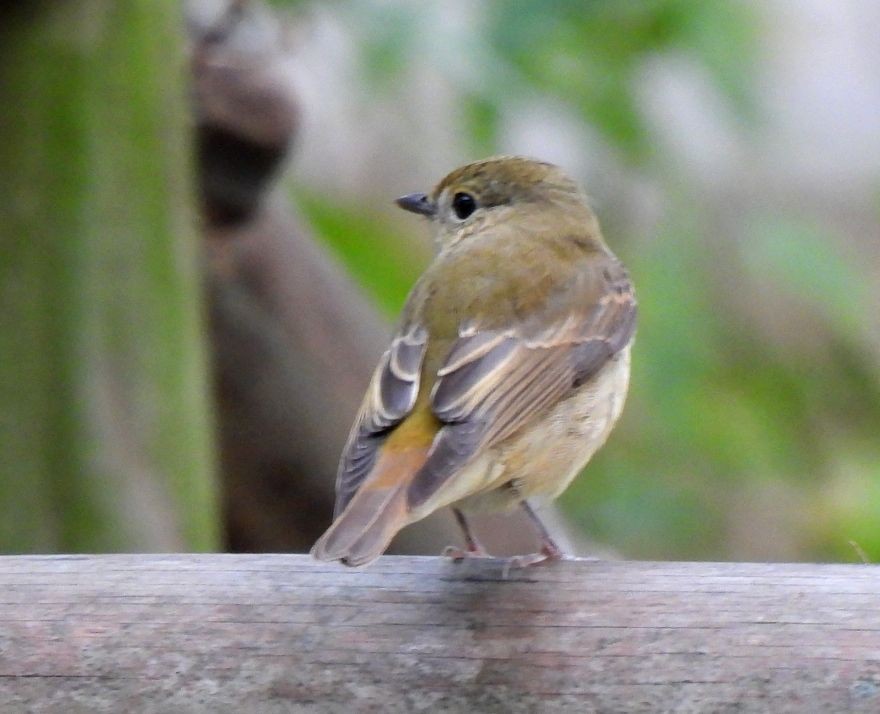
<point x="496" y="380"/>
<point x="390" y="397"/>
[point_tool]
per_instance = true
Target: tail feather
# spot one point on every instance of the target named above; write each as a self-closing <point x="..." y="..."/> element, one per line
<point x="363" y="530"/>
<point x="374" y="515"/>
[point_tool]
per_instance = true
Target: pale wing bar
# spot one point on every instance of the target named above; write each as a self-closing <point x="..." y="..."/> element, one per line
<point x="390" y="397"/>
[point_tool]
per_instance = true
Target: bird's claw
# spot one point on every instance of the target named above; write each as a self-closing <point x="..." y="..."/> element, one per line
<point x="548" y="553"/>
<point x="455" y="553"/>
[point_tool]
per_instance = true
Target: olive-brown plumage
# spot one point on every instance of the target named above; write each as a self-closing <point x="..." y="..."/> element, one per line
<point x="507" y="371"/>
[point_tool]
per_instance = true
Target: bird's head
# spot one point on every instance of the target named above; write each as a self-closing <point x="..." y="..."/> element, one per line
<point x="501" y="189"/>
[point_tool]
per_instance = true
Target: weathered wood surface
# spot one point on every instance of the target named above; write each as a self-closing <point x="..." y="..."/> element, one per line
<point x="280" y="633"/>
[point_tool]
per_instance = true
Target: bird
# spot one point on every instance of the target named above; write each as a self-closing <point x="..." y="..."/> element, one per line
<point x="507" y="370"/>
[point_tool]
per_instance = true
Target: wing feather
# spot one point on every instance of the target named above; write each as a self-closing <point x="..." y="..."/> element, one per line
<point x="495" y="381"/>
<point x="391" y="395"/>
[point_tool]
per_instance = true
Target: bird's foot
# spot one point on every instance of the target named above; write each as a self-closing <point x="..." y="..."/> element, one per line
<point x="455" y="553"/>
<point x="549" y="552"/>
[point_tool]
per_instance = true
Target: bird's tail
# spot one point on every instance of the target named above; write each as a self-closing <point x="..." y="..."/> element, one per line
<point x="375" y="514"/>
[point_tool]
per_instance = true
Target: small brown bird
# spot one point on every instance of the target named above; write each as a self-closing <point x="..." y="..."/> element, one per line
<point x="508" y="369"/>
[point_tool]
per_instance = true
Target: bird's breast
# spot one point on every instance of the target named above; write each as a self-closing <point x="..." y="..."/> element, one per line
<point x="543" y="459"/>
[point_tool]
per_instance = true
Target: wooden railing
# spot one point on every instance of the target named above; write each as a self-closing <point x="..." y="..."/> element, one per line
<point x="278" y="633"/>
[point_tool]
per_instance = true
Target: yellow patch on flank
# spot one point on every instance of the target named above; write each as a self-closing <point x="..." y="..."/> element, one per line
<point x="416" y="431"/>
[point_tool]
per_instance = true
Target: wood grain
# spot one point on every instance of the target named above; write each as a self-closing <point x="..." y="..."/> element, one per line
<point x="281" y="633"/>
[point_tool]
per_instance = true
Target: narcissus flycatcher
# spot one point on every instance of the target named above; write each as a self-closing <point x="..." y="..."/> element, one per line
<point x="507" y="371"/>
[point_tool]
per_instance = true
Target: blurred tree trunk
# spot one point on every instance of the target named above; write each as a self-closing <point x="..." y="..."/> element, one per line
<point x="104" y="430"/>
<point x="294" y="339"/>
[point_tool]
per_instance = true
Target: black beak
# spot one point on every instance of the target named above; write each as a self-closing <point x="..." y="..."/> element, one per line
<point x="417" y="203"/>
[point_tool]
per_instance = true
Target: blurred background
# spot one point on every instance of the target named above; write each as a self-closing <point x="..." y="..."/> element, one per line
<point x="200" y="260"/>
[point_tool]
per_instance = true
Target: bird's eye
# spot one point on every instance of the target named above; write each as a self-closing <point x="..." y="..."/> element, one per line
<point x="464" y="205"/>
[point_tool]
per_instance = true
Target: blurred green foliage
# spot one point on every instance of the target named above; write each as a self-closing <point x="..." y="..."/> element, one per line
<point x="734" y="442"/>
<point x="371" y="246"/>
<point x="105" y="433"/>
<point x="586" y="54"/>
<point x="723" y="426"/>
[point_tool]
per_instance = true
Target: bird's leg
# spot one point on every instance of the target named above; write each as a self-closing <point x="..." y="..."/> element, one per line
<point x="473" y="547"/>
<point x="549" y="549"/>
<point x="549" y="546"/>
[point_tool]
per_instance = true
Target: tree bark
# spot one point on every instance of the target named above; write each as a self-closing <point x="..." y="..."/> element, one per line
<point x="231" y="633"/>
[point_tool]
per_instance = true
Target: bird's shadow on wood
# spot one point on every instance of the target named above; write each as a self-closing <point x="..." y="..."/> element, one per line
<point x="483" y="594"/>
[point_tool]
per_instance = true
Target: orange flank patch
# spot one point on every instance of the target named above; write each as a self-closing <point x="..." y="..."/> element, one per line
<point x="396" y="467"/>
<point x="405" y="451"/>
